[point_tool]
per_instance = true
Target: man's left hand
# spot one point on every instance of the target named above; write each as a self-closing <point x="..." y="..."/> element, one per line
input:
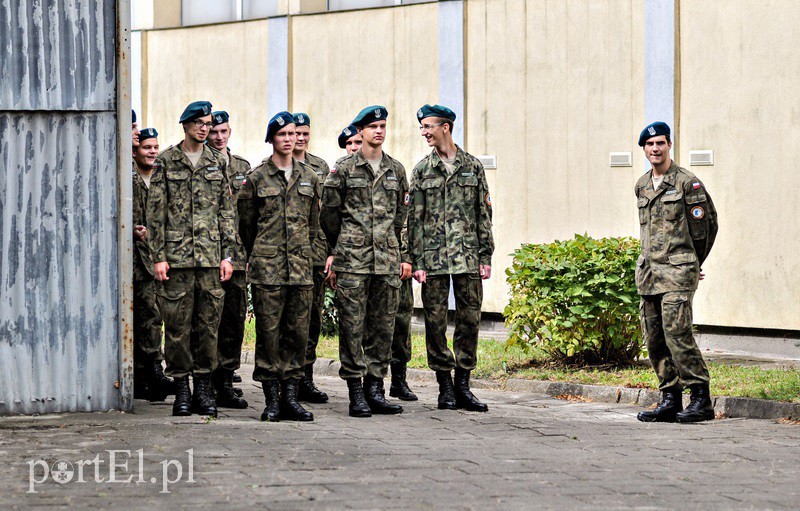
<point x="225" y="271"/>
<point x="485" y="271"/>
<point x="405" y="271"/>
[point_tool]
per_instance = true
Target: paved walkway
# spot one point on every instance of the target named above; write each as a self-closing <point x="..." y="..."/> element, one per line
<point x="529" y="451"/>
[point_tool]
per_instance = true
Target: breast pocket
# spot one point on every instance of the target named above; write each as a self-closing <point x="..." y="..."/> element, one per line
<point x="643" y="209"/>
<point x="672" y="206"/>
<point x="178" y="185"/>
<point x="270" y="199"/>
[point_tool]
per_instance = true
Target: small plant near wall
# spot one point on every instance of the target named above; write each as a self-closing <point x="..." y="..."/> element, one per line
<point x="576" y="300"/>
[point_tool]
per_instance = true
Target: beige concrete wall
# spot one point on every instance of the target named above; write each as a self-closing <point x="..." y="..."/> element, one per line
<point x="739" y="69"/>
<point x="225" y="64"/>
<point x="552" y="88"/>
<point x="345" y="61"/>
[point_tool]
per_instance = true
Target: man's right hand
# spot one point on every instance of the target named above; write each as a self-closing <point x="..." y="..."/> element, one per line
<point x="330" y="275"/>
<point x="420" y="276"/>
<point x="139" y="232"/>
<point x="161" y="270"/>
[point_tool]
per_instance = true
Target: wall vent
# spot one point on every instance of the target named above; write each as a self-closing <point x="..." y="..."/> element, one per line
<point x="705" y="157"/>
<point x="620" y="159"/>
<point x="489" y="161"/>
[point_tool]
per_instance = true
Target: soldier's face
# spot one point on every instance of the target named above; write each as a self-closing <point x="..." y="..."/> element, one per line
<point x="353" y="143"/>
<point x="432" y="131"/>
<point x="303" y="138"/>
<point x="656" y="150"/>
<point x="198" y="129"/>
<point x="219" y="135"/>
<point x="374" y="133"/>
<point x="283" y="141"/>
<point x="135" y="128"/>
<point x="146" y="153"/>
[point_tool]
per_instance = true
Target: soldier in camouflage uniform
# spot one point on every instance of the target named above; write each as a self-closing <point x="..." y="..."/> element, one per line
<point x="678" y="226"/>
<point x="234" y="310"/>
<point x="308" y="390"/>
<point x="364" y="204"/>
<point x="149" y="380"/>
<point x="192" y="222"/>
<point x="450" y="235"/>
<point x="279" y="215"/>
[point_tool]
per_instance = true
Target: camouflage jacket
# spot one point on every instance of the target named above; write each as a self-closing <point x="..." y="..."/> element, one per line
<point x="238" y="168"/>
<point x="450" y="216"/>
<point x="191" y="210"/>
<point x="320" y="167"/>
<point x="363" y="215"/>
<point x="678" y="226"/>
<point x="142" y="255"/>
<point x="278" y="223"/>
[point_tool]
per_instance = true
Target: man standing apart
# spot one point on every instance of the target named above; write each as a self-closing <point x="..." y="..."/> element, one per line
<point x="192" y="223"/>
<point x="450" y="234"/>
<point x="149" y="380"/>
<point x="364" y="203"/>
<point x="678" y="226"/>
<point x="279" y="208"/>
<point x="308" y="391"/>
<point x="234" y="310"/>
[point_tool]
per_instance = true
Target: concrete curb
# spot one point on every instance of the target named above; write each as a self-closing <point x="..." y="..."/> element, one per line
<point x="730" y="407"/>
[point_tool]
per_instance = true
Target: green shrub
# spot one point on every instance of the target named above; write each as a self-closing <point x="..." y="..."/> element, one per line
<point x="330" y="317"/>
<point x="576" y="300"/>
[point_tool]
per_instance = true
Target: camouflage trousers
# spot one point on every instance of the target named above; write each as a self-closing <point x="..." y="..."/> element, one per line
<point x="667" y="328"/>
<point x="191" y="301"/>
<point x="367" y="305"/>
<point x="315" y="321"/>
<point x="468" y="291"/>
<point x="281" y="330"/>
<point x="401" y="343"/>
<point x="231" y="324"/>
<point x="146" y="324"/>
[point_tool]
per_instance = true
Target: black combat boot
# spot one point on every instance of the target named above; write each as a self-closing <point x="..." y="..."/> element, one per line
<point x="671" y="403"/>
<point x="141" y="390"/>
<point x="308" y="391"/>
<point x="202" y="400"/>
<point x="464" y="397"/>
<point x="237" y="378"/>
<point x="272" y="398"/>
<point x="377" y="403"/>
<point x="447" y="396"/>
<point x="183" y="398"/>
<point x="159" y="386"/>
<point x="290" y="409"/>
<point x="358" y="403"/>
<point x="226" y="397"/>
<point x="700" y="406"/>
<point x="399" y="387"/>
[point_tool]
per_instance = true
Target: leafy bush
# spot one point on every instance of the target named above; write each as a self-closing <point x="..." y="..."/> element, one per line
<point x="330" y="317"/>
<point x="576" y="300"/>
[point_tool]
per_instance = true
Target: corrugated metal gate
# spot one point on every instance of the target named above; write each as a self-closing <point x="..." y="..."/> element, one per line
<point x="62" y="292"/>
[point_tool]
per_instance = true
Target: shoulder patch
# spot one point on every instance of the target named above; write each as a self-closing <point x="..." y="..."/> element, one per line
<point x="406" y="198"/>
<point x="698" y="213"/>
<point x="488" y="199"/>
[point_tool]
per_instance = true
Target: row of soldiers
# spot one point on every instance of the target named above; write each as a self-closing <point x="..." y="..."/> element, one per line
<point x="207" y="225"/>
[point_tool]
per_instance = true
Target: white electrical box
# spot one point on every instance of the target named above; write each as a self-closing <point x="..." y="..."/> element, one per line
<point x="704" y="157"/>
<point x="489" y="161"/>
<point x="620" y="159"/>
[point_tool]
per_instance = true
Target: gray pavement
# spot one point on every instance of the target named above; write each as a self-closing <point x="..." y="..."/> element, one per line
<point x="529" y="451"/>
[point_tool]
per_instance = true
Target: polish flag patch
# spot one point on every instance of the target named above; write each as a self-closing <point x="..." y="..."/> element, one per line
<point x="695" y="185"/>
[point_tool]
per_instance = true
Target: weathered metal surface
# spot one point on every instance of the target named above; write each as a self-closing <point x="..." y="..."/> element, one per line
<point x="60" y="229"/>
<point x="57" y="55"/>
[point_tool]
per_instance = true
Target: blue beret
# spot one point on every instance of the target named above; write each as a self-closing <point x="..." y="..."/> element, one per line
<point x="219" y="117"/>
<point x="301" y="119"/>
<point x="133" y="115"/>
<point x="370" y="114"/>
<point x="435" y="111"/>
<point x="346" y="134"/>
<point x="195" y="110"/>
<point x="653" y="130"/>
<point x="146" y="133"/>
<point x="277" y="123"/>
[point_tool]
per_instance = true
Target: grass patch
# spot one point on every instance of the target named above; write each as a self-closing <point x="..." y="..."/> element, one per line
<point x="498" y="361"/>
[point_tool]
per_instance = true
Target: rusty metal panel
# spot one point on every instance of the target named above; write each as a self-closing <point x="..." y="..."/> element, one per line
<point x="63" y="200"/>
<point x="57" y="55"/>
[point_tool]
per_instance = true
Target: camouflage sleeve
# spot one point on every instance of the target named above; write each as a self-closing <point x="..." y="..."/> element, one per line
<point x="701" y="216"/>
<point x="157" y="213"/>
<point x="330" y="216"/>
<point x="416" y="212"/>
<point x="248" y="214"/>
<point x="313" y="221"/>
<point x="400" y="219"/>
<point x="484" y="227"/>
<point x="227" y="217"/>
